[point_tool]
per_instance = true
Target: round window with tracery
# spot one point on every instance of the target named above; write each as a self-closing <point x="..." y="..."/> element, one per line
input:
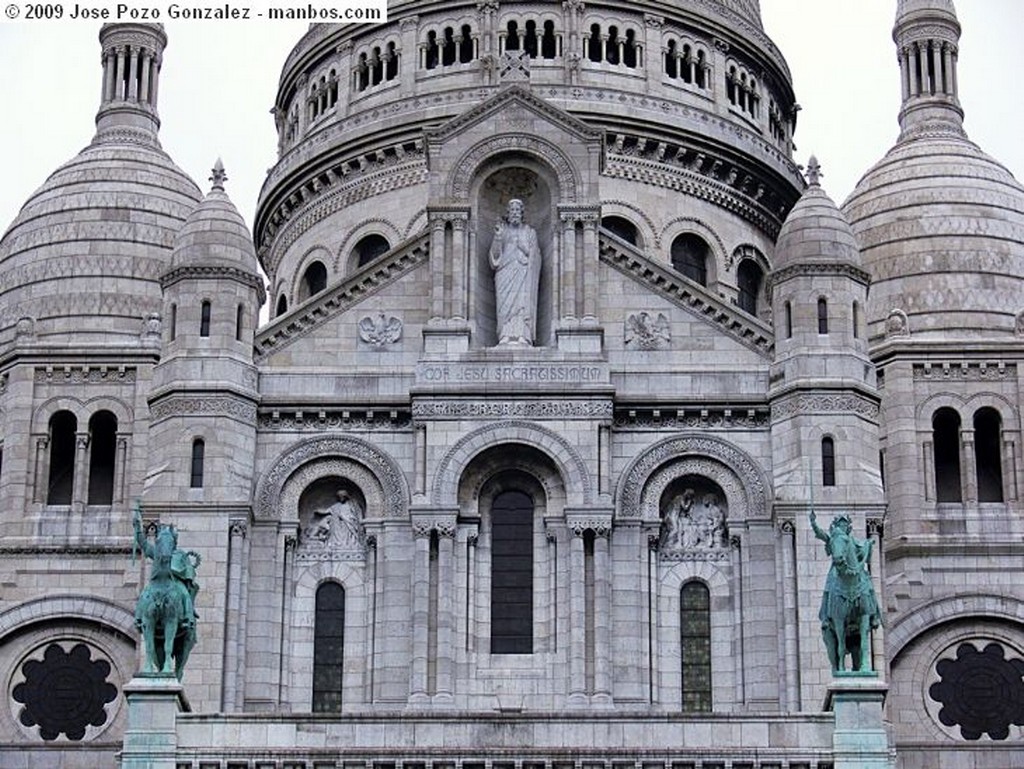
<point x="63" y="690"/>
<point x="977" y="690"/>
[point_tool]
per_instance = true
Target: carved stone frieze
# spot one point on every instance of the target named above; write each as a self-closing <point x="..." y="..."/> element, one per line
<point x="704" y="419"/>
<point x="826" y="403"/>
<point x="464" y="169"/>
<point x="212" y="405"/>
<point x="327" y="421"/>
<point x="541" y="409"/>
<point x="694" y="522"/>
<point x="600" y="525"/>
<point x="966" y="371"/>
<point x="84" y="375"/>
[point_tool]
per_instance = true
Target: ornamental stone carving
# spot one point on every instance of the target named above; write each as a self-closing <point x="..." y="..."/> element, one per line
<point x="735" y="472"/>
<point x="380" y="330"/>
<point x="644" y="331"/>
<point x="819" y="403"/>
<point x="897" y="324"/>
<point x="545" y="409"/>
<point x="225" y="405"/>
<point x="693" y="521"/>
<point x="336" y="528"/>
<point x="515" y="257"/>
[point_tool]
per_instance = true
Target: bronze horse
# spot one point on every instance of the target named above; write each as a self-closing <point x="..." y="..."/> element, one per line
<point x="849" y="610"/>
<point x="165" y="612"/>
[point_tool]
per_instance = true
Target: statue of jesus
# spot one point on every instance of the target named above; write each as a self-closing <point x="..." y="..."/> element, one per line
<point x="516" y="259"/>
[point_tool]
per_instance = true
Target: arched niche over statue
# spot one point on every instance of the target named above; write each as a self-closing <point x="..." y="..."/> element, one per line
<point x="508" y="177"/>
<point x="515" y="145"/>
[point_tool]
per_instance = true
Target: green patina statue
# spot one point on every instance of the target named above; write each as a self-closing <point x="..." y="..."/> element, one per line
<point x="165" y="613"/>
<point x="849" y="609"/>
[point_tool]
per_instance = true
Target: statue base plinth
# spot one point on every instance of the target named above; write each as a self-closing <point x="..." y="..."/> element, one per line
<point x="860" y="739"/>
<point x="447" y="336"/>
<point x="580" y="336"/>
<point x="151" y="739"/>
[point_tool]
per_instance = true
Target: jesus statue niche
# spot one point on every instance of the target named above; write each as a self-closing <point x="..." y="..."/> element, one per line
<point x="515" y="258"/>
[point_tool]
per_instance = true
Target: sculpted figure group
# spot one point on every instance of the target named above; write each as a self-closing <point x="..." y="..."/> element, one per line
<point x="338" y="526"/>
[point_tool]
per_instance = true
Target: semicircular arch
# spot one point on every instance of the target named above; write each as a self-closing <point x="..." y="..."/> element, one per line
<point x="84" y="608"/>
<point x="466" y="169"/>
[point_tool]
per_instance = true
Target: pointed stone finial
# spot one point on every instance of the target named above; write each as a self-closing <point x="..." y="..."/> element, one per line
<point x="814" y="173"/>
<point x="219" y="175"/>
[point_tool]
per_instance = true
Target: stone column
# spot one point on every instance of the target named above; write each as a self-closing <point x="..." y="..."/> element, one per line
<point x="80" y="489"/>
<point x="410" y="56"/>
<point x="147" y="60"/>
<point x="445" y="613"/>
<point x="233" y="631"/>
<point x="42" y="470"/>
<point x="437" y="265"/>
<point x="577" y="621"/>
<point x="420" y="610"/>
<point x="602" y="617"/>
<point x="119" y="77"/>
<point x="791" y="652"/>
<point x="875" y="531"/>
<point x="968" y="467"/>
<point x="567" y="301"/>
<point x="460" y="235"/>
<point x="290" y="543"/>
<point x="590" y="266"/>
<point x="133" y="73"/>
<point x="121" y="467"/>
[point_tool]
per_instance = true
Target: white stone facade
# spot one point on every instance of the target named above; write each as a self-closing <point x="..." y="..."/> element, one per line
<point x="710" y="364"/>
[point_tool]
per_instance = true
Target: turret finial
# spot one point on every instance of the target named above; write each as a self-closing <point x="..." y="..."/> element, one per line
<point x="814" y="173"/>
<point x="218" y="175"/>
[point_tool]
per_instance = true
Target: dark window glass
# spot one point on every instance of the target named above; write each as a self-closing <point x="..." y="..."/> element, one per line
<point x="239" y="320"/>
<point x="789" y="321"/>
<point x="314" y="280"/>
<point x="856" y="320"/>
<point x="946" y="442"/>
<point x="174" y="322"/>
<point x="748" y="278"/>
<point x="282" y="305"/>
<point x="328" y="648"/>
<point x="198" y="457"/>
<point x="370" y="247"/>
<point x="822" y="316"/>
<point x="63" y="426"/>
<point x="696" y="647"/>
<point x="549" y="44"/>
<point x="204" y="319"/>
<point x="102" y="450"/>
<point x="512" y="573"/>
<point x="828" y="462"/>
<point x="622" y="227"/>
<point x="690" y="257"/>
<point x="988" y="455"/>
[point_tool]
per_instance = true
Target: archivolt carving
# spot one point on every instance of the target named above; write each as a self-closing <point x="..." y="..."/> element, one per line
<point x="570" y="463"/>
<point x="329" y="467"/>
<point x="327" y="456"/>
<point x="464" y="170"/>
<point x="732" y="469"/>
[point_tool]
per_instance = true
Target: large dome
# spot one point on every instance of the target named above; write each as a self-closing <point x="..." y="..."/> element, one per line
<point x="940" y="224"/>
<point x="94" y="239"/>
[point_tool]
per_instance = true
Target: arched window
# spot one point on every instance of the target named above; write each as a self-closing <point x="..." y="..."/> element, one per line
<point x="593" y="43"/>
<point x="671" y="65"/>
<point x="512" y="36"/>
<point x="391" y="62"/>
<point x="369" y="248"/>
<point x="988" y="428"/>
<point x="239" y="322"/>
<point x="789" y="320"/>
<point x="465" y="45"/>
<point x="612" y="47"/>
<point x="946" y="444"/>
<point x="314" y="280"/>
<point x="328" y="647"/>
<point x="173" y="331"/>
<point x="822" y="315"/>
<point x="512" y="573"/>
<point x="622" y="227"/>
<point x="629" y="53"/>
<point x="102" y="450"/>
<point x="530" y="39"/>
<point x="690" y="257"/>
<point x="695" y="624"/>
<point x="448" y="50"/>
<point x="432" y="52"/>
<point x="282" y="305"/>
<point x="549" y="43"/>
<point x="828" y="462"/>
<point x="61" y="483"/>
<point x="198" y="460"/>
<point x="748" y="278"/>
<point x="856" y="320"/>
<point x="205" y="310"/>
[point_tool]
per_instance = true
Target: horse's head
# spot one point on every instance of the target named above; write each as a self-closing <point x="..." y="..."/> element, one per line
<point x="165" y="545"/>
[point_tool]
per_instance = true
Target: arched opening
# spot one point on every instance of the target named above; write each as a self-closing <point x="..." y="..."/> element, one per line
<point x="512" y="36"/>
<point x="197" y="467"/>
<point x="612" y="46"/>
<point x="856" y="320"/>
<point x="512" y="515"/>
<point x="205" y="313"/>
<point x="788" y="320"/>
<point x="239" y="322"/>
<point x="369" y="247"/>
<point x="593" y="43"/>
<point x="61" y="483"/>
<point x="102" y="452"/>
<point x="946" y="443"/>
<point x="549" y="43"/>
<point x="695" y="646"/>
<point x="314" y="280"/>
<point x="282" y="306"/>
<point x="671" y="67"/>
<point x="530" y="42"/>
<point x="690" y="255"/>
<point x="449" y="50"/>
<point x="828" y="462"/>
<point x="328" y="647"/>
<point x="988" y="428"/>
<point x="621" y="227"/>
<point x="822" y="315"/>
<point x="173" y="325"/>
<point x="432" y="53"/>
<point x="749" y="278"/>
<point x="465" y="45"/>
<point x="629" y="52"/>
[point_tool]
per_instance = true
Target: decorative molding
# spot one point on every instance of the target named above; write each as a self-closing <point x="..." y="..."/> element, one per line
<point x="213" y="272"/>
<point x="464" y="169"/>
<point x="84" y="375"/>
<point x="825" y="403"/>
<point x="379" y="464"/>
<point x="326" y="421"/>
<point x="578" y="524"/>
<point x="539" y="409"/>
<point x="735" y="471"/>
<point x="740" y="418"/>
<point x="643" y="331"/>
<point x="966" y="371"/>
<point x="819" y="269"/>
<point x="211" y="405"/>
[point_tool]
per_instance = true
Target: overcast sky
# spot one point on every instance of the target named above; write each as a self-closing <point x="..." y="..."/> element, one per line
<point x="219" y="80"/>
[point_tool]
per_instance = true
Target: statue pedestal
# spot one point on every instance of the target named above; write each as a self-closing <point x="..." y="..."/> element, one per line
<point x="860" y="739"/>
<point x="151" y="739"/>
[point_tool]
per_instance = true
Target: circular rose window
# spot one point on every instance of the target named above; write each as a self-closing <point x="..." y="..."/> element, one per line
<point x="978" y="690"/>
<point x="64" y="690"/>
